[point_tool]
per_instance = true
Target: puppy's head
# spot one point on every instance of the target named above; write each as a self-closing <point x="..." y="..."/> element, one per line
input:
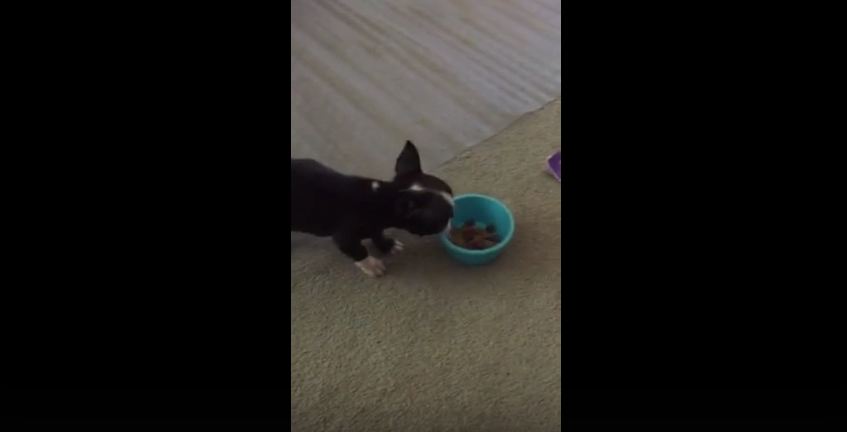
<point x="424" y="203"/>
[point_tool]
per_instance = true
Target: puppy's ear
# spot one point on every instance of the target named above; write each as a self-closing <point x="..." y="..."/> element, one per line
<point x="409" y="161"/>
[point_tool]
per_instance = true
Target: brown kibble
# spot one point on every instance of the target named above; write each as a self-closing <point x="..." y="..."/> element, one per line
<point x="456" y="237"/>
<point x="471" y="237"/>
<point x="485" y="243"/>
<point x="480" y="243"/>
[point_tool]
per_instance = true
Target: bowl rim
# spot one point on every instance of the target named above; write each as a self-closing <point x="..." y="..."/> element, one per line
<point x="494" y="249"/>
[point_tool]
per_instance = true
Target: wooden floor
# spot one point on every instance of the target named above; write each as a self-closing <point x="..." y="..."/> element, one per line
<point x="366" y="75"/>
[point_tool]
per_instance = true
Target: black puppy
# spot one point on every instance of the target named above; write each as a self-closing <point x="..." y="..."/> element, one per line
<point x="351" y="209"/>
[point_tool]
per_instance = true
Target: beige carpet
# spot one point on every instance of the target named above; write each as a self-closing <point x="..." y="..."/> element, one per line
<point x="434" y="346"/>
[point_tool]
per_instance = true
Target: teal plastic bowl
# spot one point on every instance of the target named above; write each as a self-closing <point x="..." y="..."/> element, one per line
<point x="484" y="210"/>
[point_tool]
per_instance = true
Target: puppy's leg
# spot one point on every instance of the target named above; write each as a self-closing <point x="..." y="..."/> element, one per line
<point x="353" y="248"/>
<point x="386" y="244"/>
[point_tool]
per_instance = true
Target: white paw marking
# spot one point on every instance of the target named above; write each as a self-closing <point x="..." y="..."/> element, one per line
<point x="371" y="266"/>
<point x="397" y="248"/>
<point x="374" y="186"/>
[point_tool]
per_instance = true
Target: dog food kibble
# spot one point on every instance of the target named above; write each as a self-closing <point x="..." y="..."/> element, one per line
<point x="471" y="237"/>
<point x="469" y="234"/>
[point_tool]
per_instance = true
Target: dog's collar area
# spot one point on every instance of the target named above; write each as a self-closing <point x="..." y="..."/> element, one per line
<point x="418" y="188"/>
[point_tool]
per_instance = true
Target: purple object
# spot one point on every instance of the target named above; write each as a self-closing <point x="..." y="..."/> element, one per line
<point x="554" y="165"/>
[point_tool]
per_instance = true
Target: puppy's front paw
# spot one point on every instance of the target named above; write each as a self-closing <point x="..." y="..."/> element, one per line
<point x="387" y="245"/>
<point x="371" y="266"/>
